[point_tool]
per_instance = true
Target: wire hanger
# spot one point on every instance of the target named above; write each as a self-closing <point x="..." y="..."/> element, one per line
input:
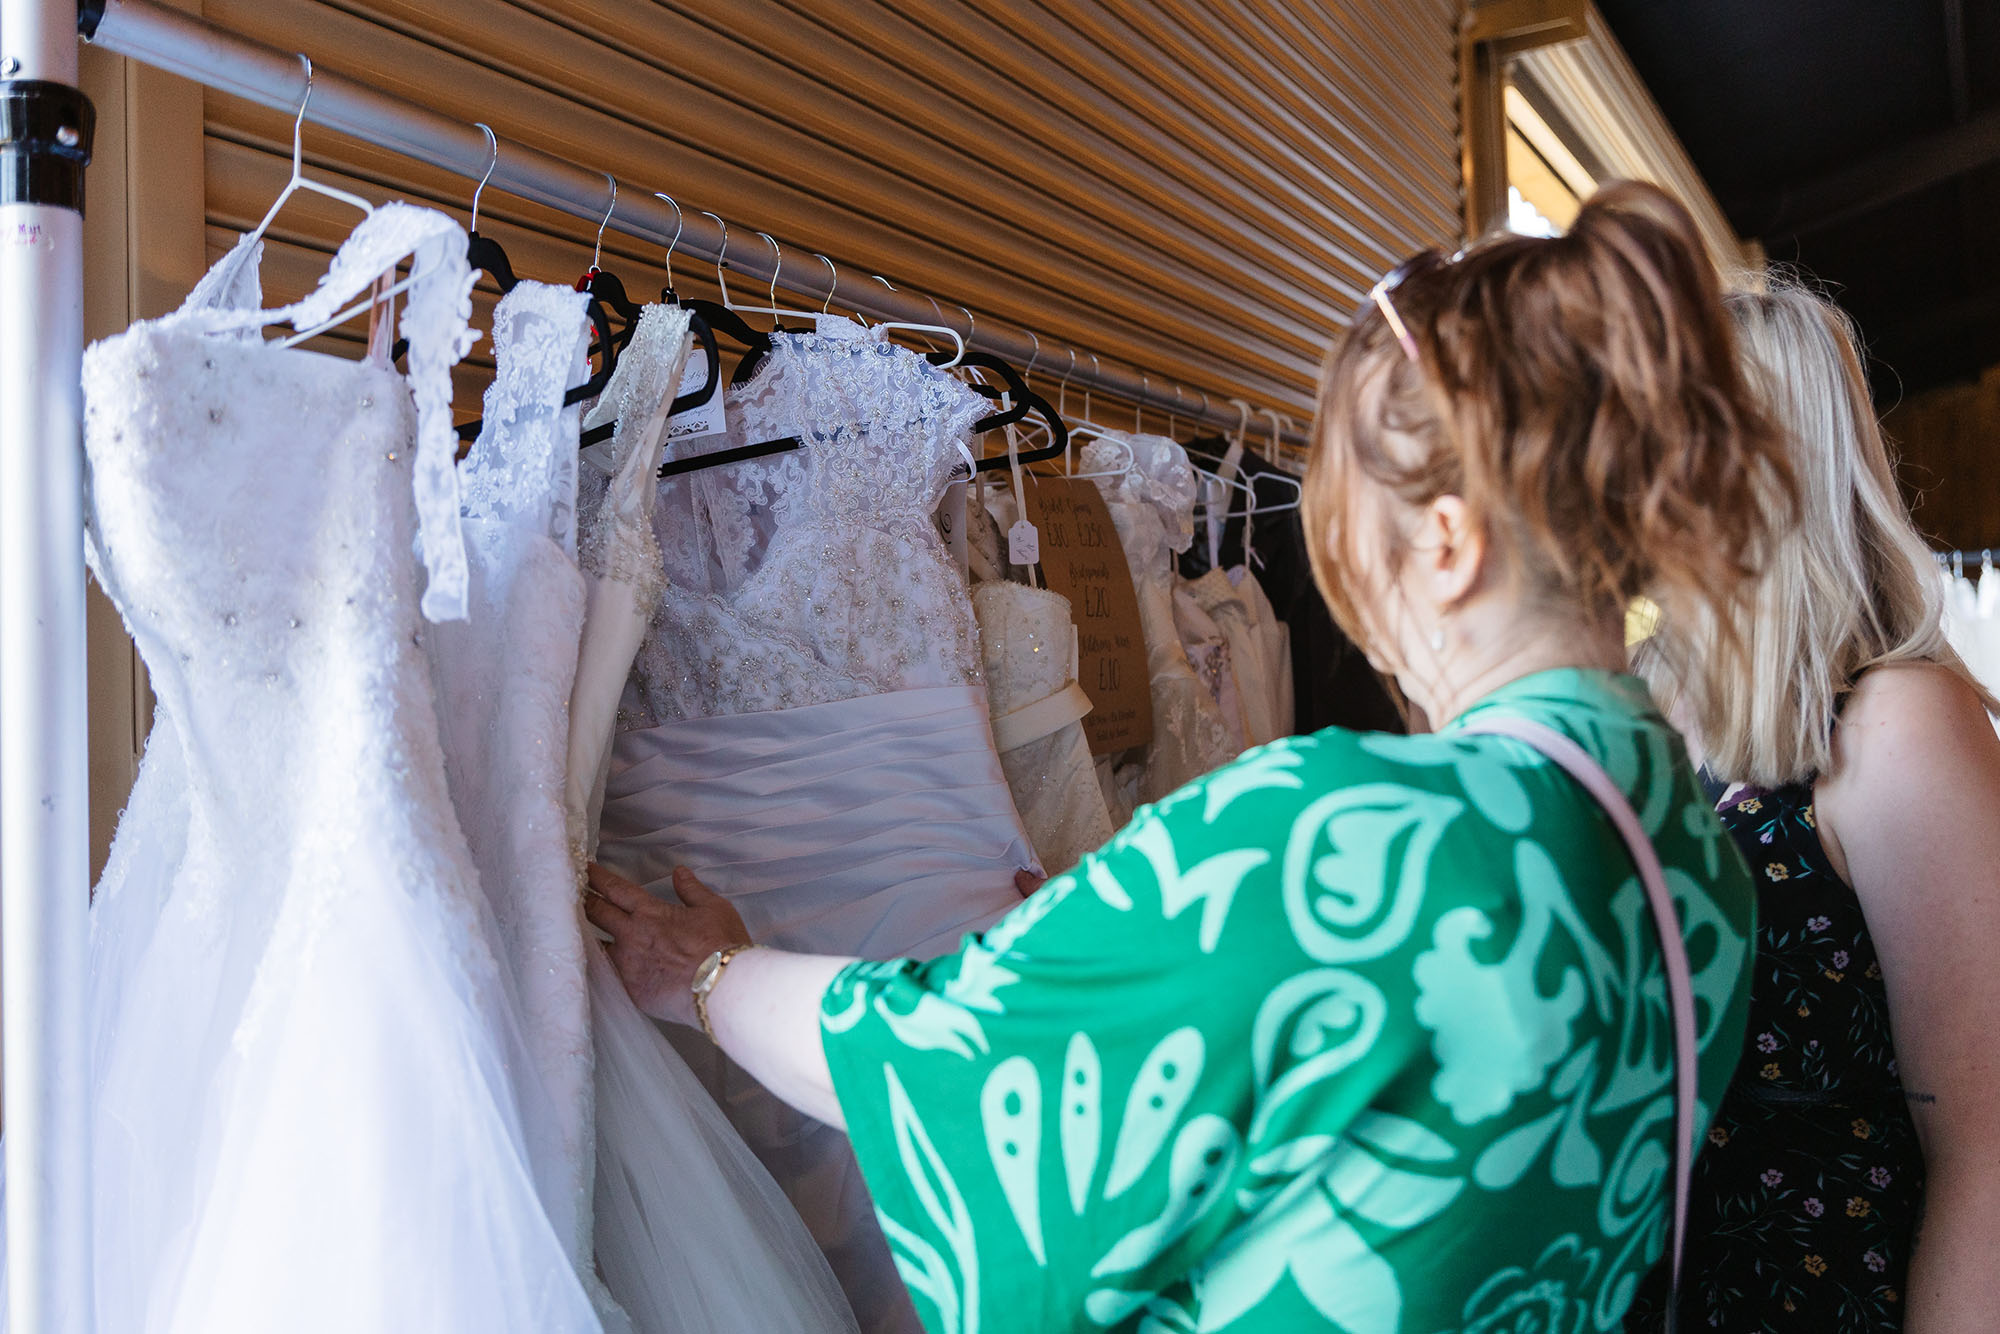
<point x="299" y="180"/>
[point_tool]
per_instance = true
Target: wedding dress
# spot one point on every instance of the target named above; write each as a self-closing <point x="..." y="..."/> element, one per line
<point x="692" y="1235"/>
<point x="308" y="1106"/>
<point x="1152" y="506"/>
<point x="1027" y="645"/>
<point x="805" y="725"/>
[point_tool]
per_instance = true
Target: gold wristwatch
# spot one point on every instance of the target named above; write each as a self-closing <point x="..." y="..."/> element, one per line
<point x="705" y="978"/>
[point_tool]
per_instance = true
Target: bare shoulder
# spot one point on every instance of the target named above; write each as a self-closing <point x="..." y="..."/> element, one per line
<point x="1915" y="760"/>
<point x="1907" y="716"/>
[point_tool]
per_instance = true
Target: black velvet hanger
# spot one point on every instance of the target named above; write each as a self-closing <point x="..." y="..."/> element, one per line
<point x="1017" y="387"/>
<point x="1027" y="399"/>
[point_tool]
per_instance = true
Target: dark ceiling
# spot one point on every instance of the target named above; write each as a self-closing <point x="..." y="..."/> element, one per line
<point x="1859" y="140"/>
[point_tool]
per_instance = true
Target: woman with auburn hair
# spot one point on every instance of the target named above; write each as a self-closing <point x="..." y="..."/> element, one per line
<point x="1364" y="1033"/>
<point x="1867" y="781"/>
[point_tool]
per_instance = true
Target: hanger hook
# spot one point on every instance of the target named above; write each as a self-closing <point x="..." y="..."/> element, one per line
<point x="971" y="325"/>
<point x="1037" y="356"/>
<point x="492" y="161"/>
<point x="598" y="253"/>
<point x="680" y="221"/>
<point x="299" y="120"/>
<point x="826" y="306"/>
<point x="1139" y="409"/>
<point x="1242" y="407"/>
<point x="721" y="256"/>
<point x="1071" y="370"/>
<point x="778" y="265"/>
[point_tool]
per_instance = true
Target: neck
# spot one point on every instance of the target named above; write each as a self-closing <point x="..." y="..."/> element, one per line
<point x="1466" y="677"/>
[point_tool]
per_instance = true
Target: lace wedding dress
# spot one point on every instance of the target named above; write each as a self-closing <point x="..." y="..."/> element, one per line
<point x="692" y="1234"/>
<point x="1152" y="506"/>
<point x="805" y="725"/>
<point x="311" y="1110"/>
<point x="1027" y="645"/>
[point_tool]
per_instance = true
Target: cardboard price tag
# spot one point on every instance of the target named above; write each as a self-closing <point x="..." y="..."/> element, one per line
<point x="1083" y="561"/>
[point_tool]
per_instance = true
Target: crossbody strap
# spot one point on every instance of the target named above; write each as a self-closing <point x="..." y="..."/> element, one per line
<point x="1571" y="757"/>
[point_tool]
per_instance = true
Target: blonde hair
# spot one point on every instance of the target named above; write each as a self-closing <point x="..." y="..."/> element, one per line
<point x="1850" y="586"/>
<point x="1583" y="394"/>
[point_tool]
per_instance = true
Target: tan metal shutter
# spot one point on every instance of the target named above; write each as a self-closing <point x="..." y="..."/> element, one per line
<point x="1199" y="191"/>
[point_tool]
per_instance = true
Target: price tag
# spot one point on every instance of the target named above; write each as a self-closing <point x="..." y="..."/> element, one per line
<point x="711" y="418"/>
<point x="1084" y="561"/>
<point x="1024" y="544"/>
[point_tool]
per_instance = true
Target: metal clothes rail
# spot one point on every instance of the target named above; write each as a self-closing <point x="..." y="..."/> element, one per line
<point x="45" y="133"/>
<point x="188" y="46"/>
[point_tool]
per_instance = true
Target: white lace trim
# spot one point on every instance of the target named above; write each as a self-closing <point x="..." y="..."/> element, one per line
<point x="522" y="469"/>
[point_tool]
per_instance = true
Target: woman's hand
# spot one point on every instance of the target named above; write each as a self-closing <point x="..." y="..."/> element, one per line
<point x="656" y="944"/>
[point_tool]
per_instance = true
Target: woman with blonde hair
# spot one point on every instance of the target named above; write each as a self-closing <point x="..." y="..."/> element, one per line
<point x="1867" y="801"/>
<point x="1360" y="1032"/>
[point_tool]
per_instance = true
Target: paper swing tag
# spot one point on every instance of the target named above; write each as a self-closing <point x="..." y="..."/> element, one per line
<point x="1024" y="544"/>
<point x="711" y="418"/>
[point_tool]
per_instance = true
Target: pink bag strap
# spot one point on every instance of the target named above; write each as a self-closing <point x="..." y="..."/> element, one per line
<point x="1569" y="756"/>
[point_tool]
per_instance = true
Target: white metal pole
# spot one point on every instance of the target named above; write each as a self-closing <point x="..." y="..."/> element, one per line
<point x="44" y="814"/>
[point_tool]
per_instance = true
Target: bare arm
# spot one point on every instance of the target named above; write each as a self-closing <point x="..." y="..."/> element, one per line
<point x="765" y="1012"/>
<point x="765" y="1008"/>
<point x="1911" y="818"/>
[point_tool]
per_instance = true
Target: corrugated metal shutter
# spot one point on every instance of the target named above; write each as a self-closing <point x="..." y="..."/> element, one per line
<point x="1200" y="191"/>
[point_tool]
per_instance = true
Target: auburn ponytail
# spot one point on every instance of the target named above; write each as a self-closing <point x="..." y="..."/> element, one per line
<point x="1583" y="394"/>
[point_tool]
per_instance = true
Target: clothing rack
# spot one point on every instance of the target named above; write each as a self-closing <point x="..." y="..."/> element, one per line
<point x="45" y="141"/>
<point x="1960" y="559"/>
<point x="183" y="44"/>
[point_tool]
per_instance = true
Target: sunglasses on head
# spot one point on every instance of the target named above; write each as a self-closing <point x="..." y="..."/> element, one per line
<point x="1423" y="262"/>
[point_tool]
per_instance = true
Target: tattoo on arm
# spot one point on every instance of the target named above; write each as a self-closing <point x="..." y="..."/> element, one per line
<point x="1921" y="1099"/>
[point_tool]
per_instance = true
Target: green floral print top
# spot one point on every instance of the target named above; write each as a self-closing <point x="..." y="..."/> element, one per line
<point x="1361" y="1032"/>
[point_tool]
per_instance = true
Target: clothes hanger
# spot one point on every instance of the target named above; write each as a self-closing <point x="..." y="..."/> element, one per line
<point x="704" y="336"/>
<point x="925" y="329"/>
<point x="721" y="318"/>
<point x="727" y="318"/>
<point x="1017" y="384"/>
<point x="1041" y="407"/>
<point x="489" y="253"/>
<point x="607" y="288"/>
<point x="299" y="180"/>
<point x="483" y="252"/>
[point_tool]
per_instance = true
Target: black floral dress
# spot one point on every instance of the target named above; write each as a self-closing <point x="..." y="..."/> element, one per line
<point x="1806" y="1194"/>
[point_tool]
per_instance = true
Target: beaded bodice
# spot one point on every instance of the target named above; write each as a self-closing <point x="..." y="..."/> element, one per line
<point x="816" y="574"/>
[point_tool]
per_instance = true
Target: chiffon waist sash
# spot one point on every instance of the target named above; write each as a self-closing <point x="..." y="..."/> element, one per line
<point x="880" y="826"/>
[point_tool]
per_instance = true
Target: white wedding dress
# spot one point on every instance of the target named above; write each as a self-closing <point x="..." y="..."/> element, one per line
<point x="1151" y="499"/>
<point x="311" y="1110"/>
<point x="692" y="1234"/>
<point x="805" y="726"/>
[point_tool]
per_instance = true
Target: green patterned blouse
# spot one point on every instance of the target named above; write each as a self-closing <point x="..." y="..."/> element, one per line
<point x="1361" y="1032"/>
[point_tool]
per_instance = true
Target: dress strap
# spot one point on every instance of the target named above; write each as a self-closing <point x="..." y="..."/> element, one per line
<point x="1572" y="759"/>
<point x="437" y="311"/>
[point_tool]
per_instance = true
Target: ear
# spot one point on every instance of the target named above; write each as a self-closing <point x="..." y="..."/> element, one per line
<point x="1452" y="546"/>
